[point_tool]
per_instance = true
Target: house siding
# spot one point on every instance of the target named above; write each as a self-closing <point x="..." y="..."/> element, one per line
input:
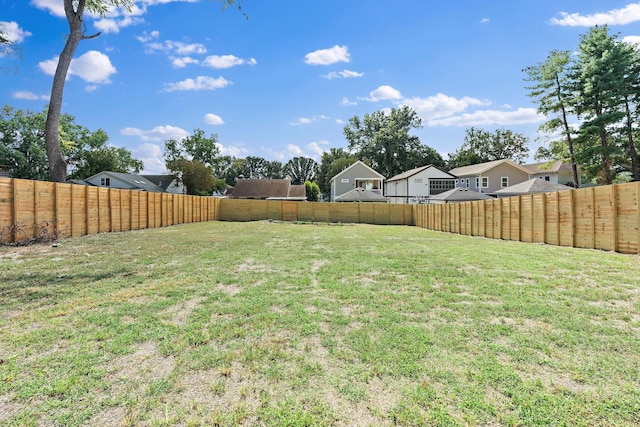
<point x="495" y="176"/>
<point x="415" y="187"/>
<point x="357" y="171"/>
<point x="113" y="182"/>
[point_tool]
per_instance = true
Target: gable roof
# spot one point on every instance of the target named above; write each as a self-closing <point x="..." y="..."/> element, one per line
<point x="415" y="171"/>
<point x="460" y="195"/>
<point x="535" y="185"/>
<point x="556" y="166"/>
<point x="136" y="181"/>
<point x="481" y="168"/>
<point x="268" y="189"/>
<point x="162" y="181"/>
<point x="359" y="194"/>
<point x="359" y="163"/>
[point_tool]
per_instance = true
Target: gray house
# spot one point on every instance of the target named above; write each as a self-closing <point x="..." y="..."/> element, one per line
<point x="123" y="180"/>
<point x="490" y="177"/>
<point x="358" y="175"/>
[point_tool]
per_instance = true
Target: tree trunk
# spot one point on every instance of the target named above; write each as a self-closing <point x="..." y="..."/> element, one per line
<point x="635" y="171"/>
<point x="57" y="164"/>
<point x="567" y="130"/>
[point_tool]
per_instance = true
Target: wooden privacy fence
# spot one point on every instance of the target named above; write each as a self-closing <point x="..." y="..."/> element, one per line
<point x="368" y="213"/>
<point x="606" y="217"/>
<point x="32" y="210"/>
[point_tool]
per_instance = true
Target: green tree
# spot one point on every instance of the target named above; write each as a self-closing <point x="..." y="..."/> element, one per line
<point x="313" y="191"/>
<point x="192" y="158"/>
<point x="551" y="89"/>
<point x="22" y="144"/>
<point x="483" y="146"/>
<point x="22" y="147"/>
<point x="598" y="76"/>
<point x="382" y="139"/>
<point x="332" y="162"/>
<point x="74" y="12"/>
<point x="301" y="169"/>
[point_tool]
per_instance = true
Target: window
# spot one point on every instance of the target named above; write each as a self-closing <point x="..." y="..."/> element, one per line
<point x="437" y="186"/>
<point x="485" y="181"/>
<point x="546" y="178"/>
<point x="477" y="182"/>
<point x="504" y="181"/>
<point x="105" y="182"/>
<point x="467" y="183"/>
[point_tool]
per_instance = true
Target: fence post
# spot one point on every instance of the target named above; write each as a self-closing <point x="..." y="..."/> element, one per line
<point x="614" y="216"/>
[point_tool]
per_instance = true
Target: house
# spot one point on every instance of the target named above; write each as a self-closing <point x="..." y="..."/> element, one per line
<point x="168" y="183"/>
<point x="416" y="185"/>
<point x="359" y="194"/>
<point x="558" y="172"/>
<point x="490" y="177"/>
<point x="268" y="189"/>
<point x="534" y="185"/>
<point x="123" y="180"/>
<point x="358" y="175"/>
<point x="457" y="195"/>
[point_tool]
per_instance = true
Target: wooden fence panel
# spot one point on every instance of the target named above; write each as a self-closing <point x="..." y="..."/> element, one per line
<point x="538" y="218"/>
<point x="552" y="219"/>
<point x="604" y="218"/>
<point x="566" y="218"/>
<point x="45" y="210"/>
<point x="505" y="218"/>
<point x="628" y="218"/>
<point x="7" y="210"/>
<point x="24" y="214"/>
<point x="93" y="210"/>
<point x="584" y="215"/>
<point x="78" y="210"/>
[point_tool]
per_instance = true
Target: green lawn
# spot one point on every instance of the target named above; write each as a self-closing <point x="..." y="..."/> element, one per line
<point x="271" y="323"/>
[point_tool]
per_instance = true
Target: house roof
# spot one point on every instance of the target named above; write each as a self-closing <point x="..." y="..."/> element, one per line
<point x="481" y="168"/>
<point x="268" y="189"/>
<point x="535" y="185"/>
<point x="556" y="166"/>
<point x="460" y="195"/>
<point x="360" y="163"/>
<point x="410" y="173"/>
<point x="137" y="181"/>
<point x="360" y="194"/>
<point x="162" y="181"/>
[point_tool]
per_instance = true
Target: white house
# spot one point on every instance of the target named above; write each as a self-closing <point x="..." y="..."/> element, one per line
<point x="417" y="185"/>
<point x="557" y="172"/>
<point x="358" y="175"/>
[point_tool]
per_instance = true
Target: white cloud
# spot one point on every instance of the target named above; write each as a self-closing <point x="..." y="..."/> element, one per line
<point x="28" y="95"/>
<point x="147" y="37"/>
<point x="213" y="119"/>
<point x="341" y="122"/>
<point x="233" y="150"/>
<point x="183" y="61"/>
<point x="151" y="156"/>
<point x="633" y="40"/>
<point x="626" y="15"/>
<point x="308" y="120"/>
<point x="328" y="56"/>
<point x="226" y="61"/>
<point x="199" y="83"/>
<point x="111" y="25"/>
<point x="345" y="101"/>
<point x="490" y="117"/>
<point x="13" y="32"/>
<point x="383" y="93"/>
<point x="92" y="67"/>
<point x="55" y="7"/>
<point x="345" y="74"/>
<point x="316" y="149"/>
<point x="484" y="20"/>
<point x="441" y="105"/>
<point x="90" y="88"/>
<point x="158" y="133"/>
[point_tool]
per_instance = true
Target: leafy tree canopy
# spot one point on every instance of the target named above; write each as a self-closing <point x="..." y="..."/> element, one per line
<point x="483" y="146"/>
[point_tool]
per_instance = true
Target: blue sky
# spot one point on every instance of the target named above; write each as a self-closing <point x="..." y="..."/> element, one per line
<point x="285" y="81"/>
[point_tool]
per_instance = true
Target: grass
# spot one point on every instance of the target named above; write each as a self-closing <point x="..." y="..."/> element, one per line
<point x="284" y="324"/>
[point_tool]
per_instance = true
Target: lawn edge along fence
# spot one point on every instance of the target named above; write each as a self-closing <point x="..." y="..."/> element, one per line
<point x="606" y="217"/>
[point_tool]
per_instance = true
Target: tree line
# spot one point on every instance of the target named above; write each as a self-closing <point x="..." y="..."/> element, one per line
<point x="599" y="89"/>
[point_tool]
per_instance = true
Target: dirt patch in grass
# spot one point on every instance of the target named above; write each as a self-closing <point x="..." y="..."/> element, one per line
<point x="251" y="265"/>
<point x="180" y="312"/>
<point x="139" y="369"/>
<point x="111" y="417"/>
<point x="9" y="408"/>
